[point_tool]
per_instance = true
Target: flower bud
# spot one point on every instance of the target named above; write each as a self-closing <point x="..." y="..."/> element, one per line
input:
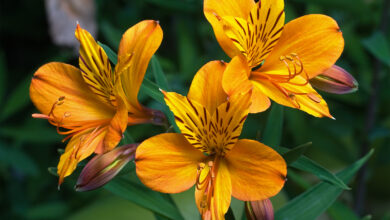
<point x="335" y="80"/>
<point x="104" y="167"/>
<point x="259" y="210"/>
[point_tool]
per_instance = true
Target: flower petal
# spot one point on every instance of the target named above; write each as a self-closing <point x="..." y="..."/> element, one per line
<point x="214" y="10"/>
<point x="95" y="66"/>
<point x="315" y="39"/>
<point x="54" y="81"/>
<point x="229" y="120"/>
<point x="257" y="172"/>
<point x="206" y="87"/>
<point x="221" y="193"/>
<point x="78" y="148"/>
<point x="167" y="163"/>
<point x="302" y="97"/>
<point x="136" y="48"/>
<point x="192" y="118"/>
<point x="257" y="35"/>
<point x="116" y="128"/>
<point x="235" y="79"/>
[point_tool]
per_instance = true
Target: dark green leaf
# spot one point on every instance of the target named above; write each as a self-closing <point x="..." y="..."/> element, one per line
<point x="18" y="99"/>
<point x="294" y="154"/>
<point x="308" y="165"/>
<point x="110" y="53"/>
<point x="378" y="46"/>
<point x="110" y="207"/>
<point x="273" y="129"/>
<point x="339" y="211"/>
<point x="152" y="90"/>
<point x="313" y="202"/>
<point x="18" y="159"/>
<point x="140" y="195"/>
<point x="158" y="74"/>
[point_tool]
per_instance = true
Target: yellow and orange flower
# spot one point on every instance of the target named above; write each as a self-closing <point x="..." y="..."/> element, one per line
<point x="208" y="152"/>
<point x="274" y="59"/>
<point x="94" y="104"/>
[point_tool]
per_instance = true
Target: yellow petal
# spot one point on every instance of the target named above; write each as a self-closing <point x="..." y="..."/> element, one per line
<point x="54" y="81"/>
<point x="257" y="172"/>
<point x="235" y="79"/>
<point x="213" y="197"/>
<point x="95" y="66"/>
<point x="301" y="96"/>
<point x="78" y="148"/>
<point x="229" y="119"/>
<point x="192" y="118"/>
<point x="167" y="163"/>
<point x="206" y="87"/>
<point x="136" y="48"/>
<point x="214" y="10"/>
<point x="315" y="39"/>
<point x="256" y="36"/>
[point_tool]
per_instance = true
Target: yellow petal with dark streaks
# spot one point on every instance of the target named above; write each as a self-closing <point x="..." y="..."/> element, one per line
<point x="256" y="36"/>
<point x="95" y="66"/>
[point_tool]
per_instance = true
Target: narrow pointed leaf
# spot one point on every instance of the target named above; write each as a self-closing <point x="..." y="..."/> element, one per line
<point x="378" y="46"/>
<point x="158" y="74"/>
<point x="317" y="199"/>
<point x="295" y="153"/>
<point x="110" y="53"/>
<point x="310" y="166"/>
<point x="140" y="195"/>
<point x="273" y="128"/>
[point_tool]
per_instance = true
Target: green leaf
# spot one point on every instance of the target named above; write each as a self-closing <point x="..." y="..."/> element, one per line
<point x="111" y="207"/>
<point x="295" y="153"/>
<point x="34" y="130"/>
<point x="158" y="74"/>
<point x="140" y="195"/>
<point x="308" y="165"/>
<point x="18" y="99"/>
<point x="316" y="200"/>
<point x="378" y="46"/>
<point x="339" y="211"/>
<point x="18" y="159"/>
<point x="273" y="129"/>
<point x="153" y="91"/>
<point x="185" y="202"/>
<point x="110" y="53"/>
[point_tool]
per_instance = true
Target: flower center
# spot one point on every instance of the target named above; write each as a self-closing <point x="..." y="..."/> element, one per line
<point x="297" y="76"/>
<point x="73" y="128"/>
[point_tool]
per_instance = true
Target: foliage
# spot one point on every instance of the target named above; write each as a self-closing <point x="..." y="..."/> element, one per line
<point x="28" y="147"/>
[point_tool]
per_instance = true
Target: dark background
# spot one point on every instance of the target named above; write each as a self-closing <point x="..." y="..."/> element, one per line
<point x="29" y="146"/>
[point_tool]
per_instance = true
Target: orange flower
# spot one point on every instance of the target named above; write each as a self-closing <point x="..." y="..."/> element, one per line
<point x="95" y="104"/>
<point x="208" y="152"/>
<point x="277" y="60"/>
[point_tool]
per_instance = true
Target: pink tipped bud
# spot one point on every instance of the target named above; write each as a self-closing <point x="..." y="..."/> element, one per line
<point x="102" y="168"/>
<point x="259" y="210"/>
<point x="335" y="80"/>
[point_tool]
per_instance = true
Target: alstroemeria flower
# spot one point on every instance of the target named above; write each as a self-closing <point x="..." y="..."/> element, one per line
<point x="93" y="105"/>
<point x="208" y="152"/>
<point x="277" y="60"/>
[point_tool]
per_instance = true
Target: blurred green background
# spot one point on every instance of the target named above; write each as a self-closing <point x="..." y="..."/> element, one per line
<point x="29" y="146"/>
